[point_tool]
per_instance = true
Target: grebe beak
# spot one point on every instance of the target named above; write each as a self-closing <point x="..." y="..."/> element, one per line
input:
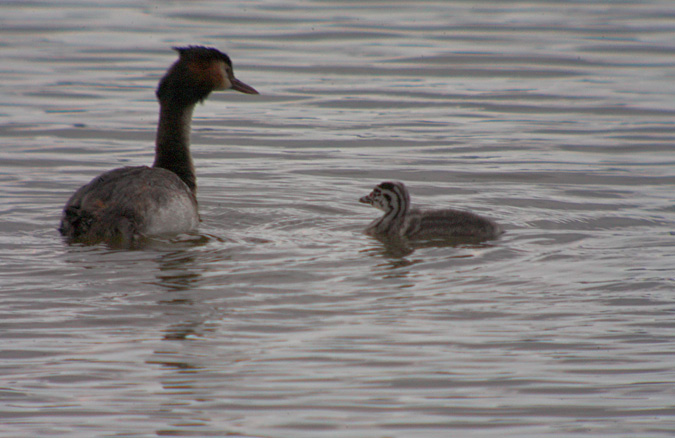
<point x="242" y="87"/>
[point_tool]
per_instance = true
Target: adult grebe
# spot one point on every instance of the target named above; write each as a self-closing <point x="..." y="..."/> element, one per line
<point x="401" y="221"/>
<point x="125" y="204"/>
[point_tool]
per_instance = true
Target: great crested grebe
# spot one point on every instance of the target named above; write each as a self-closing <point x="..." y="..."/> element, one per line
<point x="122" y="205"/>
<point x="402" y="221"/>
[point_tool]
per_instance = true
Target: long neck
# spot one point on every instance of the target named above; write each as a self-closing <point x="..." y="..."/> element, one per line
<point x="172" y="147"/>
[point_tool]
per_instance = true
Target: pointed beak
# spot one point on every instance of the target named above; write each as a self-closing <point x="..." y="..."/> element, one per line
<point x="366" y="200"/>
<point x="242" y="87"/>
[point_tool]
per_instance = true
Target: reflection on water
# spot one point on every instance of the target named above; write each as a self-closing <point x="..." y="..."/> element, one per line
<point x="280" y="317"/>
<point x="176" y="274"/>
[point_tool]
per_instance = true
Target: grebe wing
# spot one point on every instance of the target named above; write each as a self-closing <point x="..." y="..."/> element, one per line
<point x="449" y="223"/>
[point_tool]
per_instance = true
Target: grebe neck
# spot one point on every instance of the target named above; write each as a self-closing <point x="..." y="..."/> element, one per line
<point x="397" y="201"/>
<point x="172" y="146"/>
<point x="394" y="218"/>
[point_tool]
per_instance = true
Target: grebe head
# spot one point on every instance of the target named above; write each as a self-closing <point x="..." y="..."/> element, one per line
<point x="388" y="196"/>
<point x="199" y="71"/>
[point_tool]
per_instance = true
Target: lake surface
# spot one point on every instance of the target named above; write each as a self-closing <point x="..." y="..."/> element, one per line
<point x="280" y="318"/>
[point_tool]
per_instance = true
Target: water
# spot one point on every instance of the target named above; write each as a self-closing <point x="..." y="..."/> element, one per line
<point x="280" y="318"/>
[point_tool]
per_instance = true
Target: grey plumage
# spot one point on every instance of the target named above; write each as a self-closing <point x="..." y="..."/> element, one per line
<point x="402" y="221"/>
<point x="121" y="205"/>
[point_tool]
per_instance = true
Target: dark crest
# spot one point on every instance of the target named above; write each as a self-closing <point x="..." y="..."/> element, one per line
<point x="203" y="53"/>
<point x="179" y="84"/>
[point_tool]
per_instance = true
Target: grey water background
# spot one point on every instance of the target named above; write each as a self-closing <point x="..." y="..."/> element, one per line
<point x="280" y="318"/>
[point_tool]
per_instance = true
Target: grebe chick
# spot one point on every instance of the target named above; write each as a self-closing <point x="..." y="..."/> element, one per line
<point x="402" y="221"/>
<point x="125" y="204"/>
